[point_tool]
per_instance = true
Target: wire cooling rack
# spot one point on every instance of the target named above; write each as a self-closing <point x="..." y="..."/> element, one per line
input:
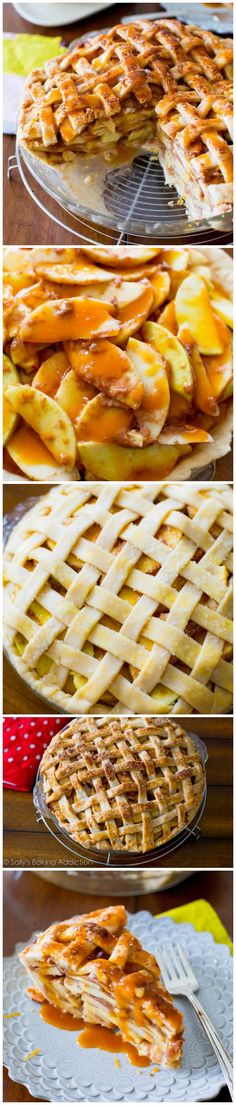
<point x="131" y="203"/>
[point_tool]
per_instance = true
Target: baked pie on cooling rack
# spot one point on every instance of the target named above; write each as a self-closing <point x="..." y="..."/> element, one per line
<point x="157" y="84"/>
<point x="119" y="599"/>
<point x="92" y="967"/>
<point x="117" y="361"/>
<point x="121" y="784"/>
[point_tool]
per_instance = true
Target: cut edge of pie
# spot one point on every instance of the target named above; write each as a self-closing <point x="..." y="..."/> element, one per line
<point x="161" y="84"/>
<point x="92" y="967"/>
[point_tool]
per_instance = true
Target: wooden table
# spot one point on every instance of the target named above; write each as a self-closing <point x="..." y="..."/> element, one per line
<point x="27" y="843"/>
<point x="24" y="222"/>
<point x="31" y="904"/>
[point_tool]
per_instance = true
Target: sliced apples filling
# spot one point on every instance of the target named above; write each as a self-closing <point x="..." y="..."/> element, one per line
<point x="118" y="360"/>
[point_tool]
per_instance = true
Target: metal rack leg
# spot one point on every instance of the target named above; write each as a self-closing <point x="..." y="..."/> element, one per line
<point x="11" y="165"/>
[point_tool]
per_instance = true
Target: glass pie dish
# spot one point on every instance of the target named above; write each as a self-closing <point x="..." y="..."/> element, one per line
<point x="85" y="676"/>
<point x="9" y="521"/>
<point x="112" y="857"/>
<point x="126" y="882"/>
<point x="130" y="197"/>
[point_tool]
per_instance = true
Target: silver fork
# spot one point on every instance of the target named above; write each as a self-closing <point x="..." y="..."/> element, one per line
<point x="178" y="977"/>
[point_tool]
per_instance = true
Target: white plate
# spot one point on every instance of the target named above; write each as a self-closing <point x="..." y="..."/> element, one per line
<point x="57" y="15"/>
<point x="65" y="1072"/>
<point x="211" y="19"/>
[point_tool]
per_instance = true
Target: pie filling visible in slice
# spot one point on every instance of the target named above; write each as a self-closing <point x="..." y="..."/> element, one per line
<point x="158" y="83"/>
<point x="92" y="967"/>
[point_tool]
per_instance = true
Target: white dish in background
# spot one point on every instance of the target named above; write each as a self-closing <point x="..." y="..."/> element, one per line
<point x="210" y="18"/>
<point x="57" y="15"/>
<point x="62" y="1071"/>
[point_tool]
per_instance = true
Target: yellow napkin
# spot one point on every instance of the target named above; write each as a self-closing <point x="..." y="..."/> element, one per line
<point x="203" y="917"/>
<point x="22" y="53"/>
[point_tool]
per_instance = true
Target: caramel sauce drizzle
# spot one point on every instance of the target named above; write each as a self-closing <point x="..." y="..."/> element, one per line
<point x="92" y="1036"/>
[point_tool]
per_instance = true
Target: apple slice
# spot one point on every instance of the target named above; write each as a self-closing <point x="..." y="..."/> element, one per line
<point x="140" y="272"/>
<point x="33" y="458"/>
<point x="117" y="462"/>
<point x="73" y="395"/>
<point x="10" y="378"/>
<point x="77" y="273"/>
<point x="219" y="371"/>
<point x="15" y="318"/>
<point x="184" y="435"/>
<point x="167" y="318"/>
<point x="223" y="307"/>
<point x="25" y="354"/>
<point x="53" y="255"/>
<point x="161" y="286"/>
<point x="196" y="257"/>
<point x="176" y="259"/>
<point x="16" y="258"/>
<point x="50" y="373"/>
<point x="19" y="281"/>
<point x="228" y="391"/>
<point x="34" y="296"/>
<point x="48" y="420"/>
<point x="108" y="369"/>
<point x="162" y="699"/>
<point x="134" y="313"/>
<point x="149" y="365"/>
<point x="204" y="272"/>
<point x="8" y="307"/>
<point x="180" y="409"/>
<point x="75" y="319"/>
<point x="204" y="398"/>
<point x="100" y="422"/>
<point x="118" y="296"/>
<point x="193" y="306"/>
<point x="20" y="258"/>
<point x="181" y="378"/>
<point x="121" y="256"/>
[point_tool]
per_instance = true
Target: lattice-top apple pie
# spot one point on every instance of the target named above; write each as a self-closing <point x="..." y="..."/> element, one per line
<point x="120" y="784"/>
<point x="91" y="966"/>
<point x="120" y="598"/>
<point x="117" y="361"/>
<point x="161" y="84"/>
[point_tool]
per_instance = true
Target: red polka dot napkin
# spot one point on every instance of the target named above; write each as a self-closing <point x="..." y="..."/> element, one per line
<point x="24" y="741"/>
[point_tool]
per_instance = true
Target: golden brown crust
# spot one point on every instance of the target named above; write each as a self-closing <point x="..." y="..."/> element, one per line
<point x="112" y="87"/>
<point x="122" y="784"/>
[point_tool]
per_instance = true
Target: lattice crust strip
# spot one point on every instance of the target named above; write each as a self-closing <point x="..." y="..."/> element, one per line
<point x="120" y="598"/>
<point x="124" y="784"/>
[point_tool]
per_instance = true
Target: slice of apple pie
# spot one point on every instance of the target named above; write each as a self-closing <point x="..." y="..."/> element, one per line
<point x="157" y="83"/>
<point x="92" y="967"/>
